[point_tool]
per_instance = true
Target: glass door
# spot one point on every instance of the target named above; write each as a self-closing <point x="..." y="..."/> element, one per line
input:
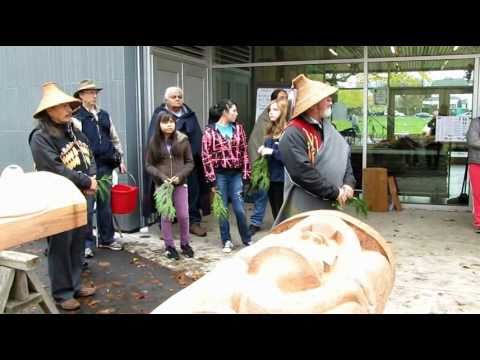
<point x="402" y="126"/>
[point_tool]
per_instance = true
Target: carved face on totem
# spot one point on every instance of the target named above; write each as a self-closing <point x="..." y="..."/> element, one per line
<point x="317" y="262"/>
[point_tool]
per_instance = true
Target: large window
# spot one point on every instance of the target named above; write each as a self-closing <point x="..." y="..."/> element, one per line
<point x="410" y="51"/>
<point x="243" y="84"/>
<point x="405" y="96"/>
<point x="303" y="53"/>
<point x="404" y="101"/>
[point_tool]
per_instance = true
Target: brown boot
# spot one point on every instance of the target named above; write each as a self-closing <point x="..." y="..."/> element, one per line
<point x="85" y="291"/>
<point x="69" y="305"/>
<point x="196" y="229"/>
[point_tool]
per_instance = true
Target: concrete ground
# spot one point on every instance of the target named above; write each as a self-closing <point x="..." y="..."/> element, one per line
<point x="126" y="283"/>
<point x="437" y="255"/>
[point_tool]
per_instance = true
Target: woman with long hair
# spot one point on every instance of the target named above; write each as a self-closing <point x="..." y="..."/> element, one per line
<point x="226" y="164"/>
<point x="277" y="113"/>
<point x="169" y="159"/>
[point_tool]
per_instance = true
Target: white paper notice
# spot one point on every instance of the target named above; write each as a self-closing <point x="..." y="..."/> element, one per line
<point x="452" y="128"/>
<point x="263" y="99"/>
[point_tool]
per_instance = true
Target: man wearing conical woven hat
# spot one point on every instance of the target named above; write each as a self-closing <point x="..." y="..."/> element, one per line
<point x="316" y="157"/>
<point x="59" y="147"/>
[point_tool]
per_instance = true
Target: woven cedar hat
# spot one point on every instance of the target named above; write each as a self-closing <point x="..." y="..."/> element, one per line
<point x="53" y="96"/>
<point x="309" y="92"/>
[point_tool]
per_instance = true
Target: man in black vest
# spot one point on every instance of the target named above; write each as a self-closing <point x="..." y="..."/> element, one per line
<point x="97" y="125"/>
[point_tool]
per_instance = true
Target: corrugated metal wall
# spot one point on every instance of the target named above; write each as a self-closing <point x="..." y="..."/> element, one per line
<point x="23" y="69"/>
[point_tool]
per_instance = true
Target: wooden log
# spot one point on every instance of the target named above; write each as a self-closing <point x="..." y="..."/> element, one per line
<point x="18" y="260"/>
<point x="19" y="290"/>
<point x="63" y="207"/>
<point x="6" y="280"/>
<point x="375" y="189"/>
<point x="316" y="262"/>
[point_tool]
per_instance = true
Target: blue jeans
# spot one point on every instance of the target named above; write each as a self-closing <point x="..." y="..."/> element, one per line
<point x="260" y="199"/>
<point x="230" y="185"/>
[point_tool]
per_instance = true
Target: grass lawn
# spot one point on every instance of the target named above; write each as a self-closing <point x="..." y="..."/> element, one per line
<point x="377" y="125"/>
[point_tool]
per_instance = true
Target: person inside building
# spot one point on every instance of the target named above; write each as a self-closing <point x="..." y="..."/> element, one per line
<point x="277" y="112"/>
<point x="188" y="124"/>
<point x="169" y="160"/>
<point x="433" y="146"/>
<point x="473" y="144"/>
<point x="227" y="167"/>
<point x="315" y="155"/>
<point x="59" y="147"/>
<point x="97" y="125"/>
<point x="256" y="140"/>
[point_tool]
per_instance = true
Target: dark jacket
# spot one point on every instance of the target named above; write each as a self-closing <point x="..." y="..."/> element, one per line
<point x="294" y="155"/>
<point x="275" y="163"/>
<point x="63" y="150"/>
<point x="162" y="164"/>
<point x="98" y="134"/>
<point x="187" y="124"/>
<point x="317" y="162"/>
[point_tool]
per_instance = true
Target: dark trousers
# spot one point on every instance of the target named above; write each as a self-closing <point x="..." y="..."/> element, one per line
<point x="64" y="262"/>
<point x="90" y="239"/>
<point x="275" y="195"/>
<point x="194" y="197"/>
<point x="105" y="228"/>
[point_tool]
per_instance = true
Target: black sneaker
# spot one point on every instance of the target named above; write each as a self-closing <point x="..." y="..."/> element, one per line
<point x="171" y="253"/>
<point x="187" y="251"/>
<point x="253" y="229"/>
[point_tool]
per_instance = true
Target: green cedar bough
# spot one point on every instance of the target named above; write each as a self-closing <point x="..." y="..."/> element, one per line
<point x="360" y="206"/>
<point x="260" y="175"/>
<point x="164" y="201"/>
<point x="219" y="210"/>
<point x="103" y="185"/>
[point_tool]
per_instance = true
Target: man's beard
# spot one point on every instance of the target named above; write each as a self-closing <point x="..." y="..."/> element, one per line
<point x="327" y="113"/>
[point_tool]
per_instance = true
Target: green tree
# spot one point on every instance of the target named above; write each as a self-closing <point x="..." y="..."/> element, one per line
<point x="351" y="98"/>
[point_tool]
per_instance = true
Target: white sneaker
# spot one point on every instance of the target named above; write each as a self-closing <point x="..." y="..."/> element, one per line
<point x="227" y="248"/>
<point x="116" y="246"/>
<point x="88" y="253"/>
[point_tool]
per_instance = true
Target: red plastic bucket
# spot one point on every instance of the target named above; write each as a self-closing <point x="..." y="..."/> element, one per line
<point x="124" y="198"/>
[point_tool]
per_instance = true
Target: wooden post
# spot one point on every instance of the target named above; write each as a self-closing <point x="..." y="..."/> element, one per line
<point x="47" y="305"/>
<point x="20" y="286"/>
<point x="6" y="280"/>
<point x="392" y="186"/>
<point x="375" y="188"/>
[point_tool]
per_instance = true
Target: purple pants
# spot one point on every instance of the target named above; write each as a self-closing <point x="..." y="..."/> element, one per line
<point x="180" y="201"/>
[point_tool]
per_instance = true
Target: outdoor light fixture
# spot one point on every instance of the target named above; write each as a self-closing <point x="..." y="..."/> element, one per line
<point x="455" y="48"/>
<point x="333" y="52"/>
<point x="392" y="49"/>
